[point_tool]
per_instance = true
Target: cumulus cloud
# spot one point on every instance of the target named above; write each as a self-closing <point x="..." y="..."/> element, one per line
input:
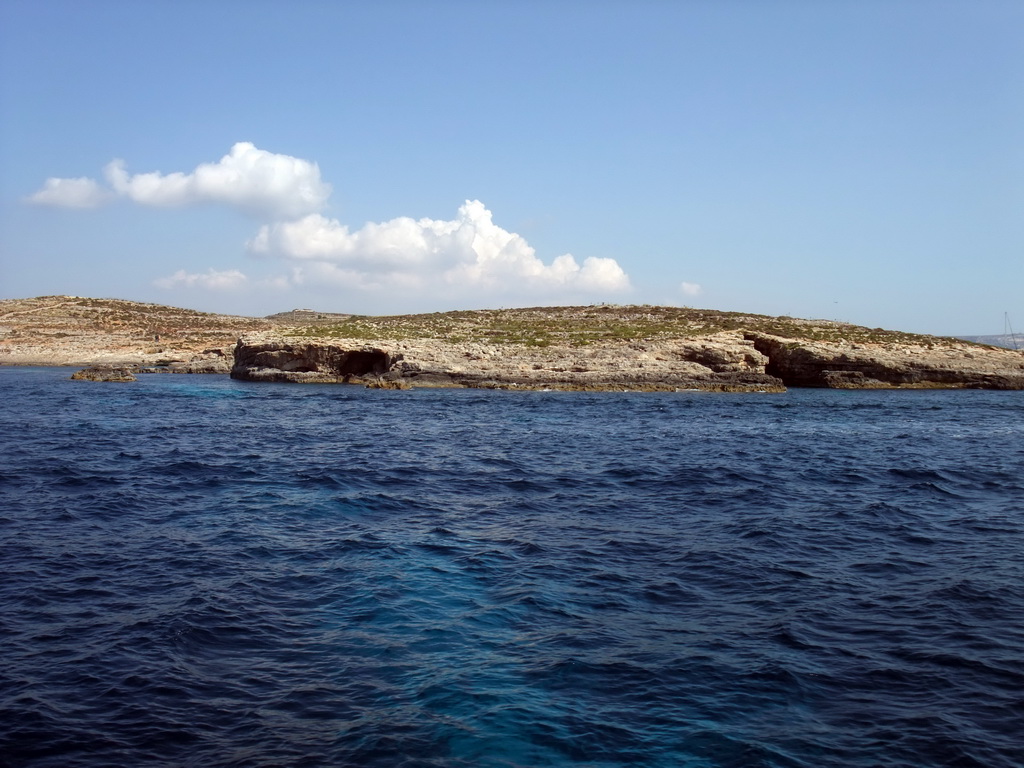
<point x="468" y="255"/>
<point x="71" y="193"/>
<point x="690" y="289"/>
<point x="266" y="184"/>
<point x="467" y="251"/>
<point x="213" y="280"/>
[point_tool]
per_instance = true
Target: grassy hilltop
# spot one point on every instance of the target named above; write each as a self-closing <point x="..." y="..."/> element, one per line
<point x="69" y="329"/>
<point x="580" y="326"/>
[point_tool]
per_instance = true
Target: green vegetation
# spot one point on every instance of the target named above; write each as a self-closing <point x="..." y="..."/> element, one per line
<point x="533" y="327"/>
<point x="580" y="326"/>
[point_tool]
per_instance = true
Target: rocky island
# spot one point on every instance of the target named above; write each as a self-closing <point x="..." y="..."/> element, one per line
<point x="605" y="347"/>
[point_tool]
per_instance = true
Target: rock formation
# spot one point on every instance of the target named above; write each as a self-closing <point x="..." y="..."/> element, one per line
<point x="104" y="373"/>
<point x="208" y="361"/>
<point x="723" y="363"/>
<point x="259" y="358"/>
<point x="890" y="365"/>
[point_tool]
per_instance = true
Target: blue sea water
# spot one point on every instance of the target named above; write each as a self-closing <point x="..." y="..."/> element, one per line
<point x="201" y="572"/>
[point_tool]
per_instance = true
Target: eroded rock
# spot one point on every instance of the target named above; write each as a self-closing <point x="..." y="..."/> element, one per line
<point x="104" y="373"/>
<point x="886" y="366"/>
<point x="727" y="363"/>
<point x="259" y="358"/>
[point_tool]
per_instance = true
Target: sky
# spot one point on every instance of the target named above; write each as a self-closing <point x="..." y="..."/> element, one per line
<point x="857" y="161"/>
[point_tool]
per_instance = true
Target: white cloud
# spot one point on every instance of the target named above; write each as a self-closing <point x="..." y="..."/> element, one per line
<point x="71" y="193"/>
<point x="470" y="251"/>
<point x="690" y="289"/>
<point x="256" y="181"/>
<point x="468" y="257"/>
<point x="227" y="280"/>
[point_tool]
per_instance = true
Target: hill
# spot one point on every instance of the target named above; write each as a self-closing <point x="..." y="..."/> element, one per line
<point x="587" y="347"/>
<point x="72" y="330"/>
<point x="1004" y="340"/>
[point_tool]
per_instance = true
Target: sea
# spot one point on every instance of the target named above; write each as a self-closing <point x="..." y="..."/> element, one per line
<point x="201" y="572"/>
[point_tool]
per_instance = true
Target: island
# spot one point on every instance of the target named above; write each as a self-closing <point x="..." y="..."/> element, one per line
<point x="600" y="347"/>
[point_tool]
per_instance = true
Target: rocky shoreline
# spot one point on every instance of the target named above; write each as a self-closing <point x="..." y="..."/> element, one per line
<point x="725" y="362"/>
<point x="603" y="347"/>
<point x="721" y="365"/>
<point x="903" y="365"/>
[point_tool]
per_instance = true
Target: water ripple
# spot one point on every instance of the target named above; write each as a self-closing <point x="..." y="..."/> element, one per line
<point x="200" y="572"/>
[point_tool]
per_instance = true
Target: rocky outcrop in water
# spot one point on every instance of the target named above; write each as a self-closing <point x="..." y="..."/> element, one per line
<point x="726" y="363"/>
<point x="723" y="362"/>
<point x="842" y="365"/>
<point x="271" y="359"/>
<point x="104" y="373"/>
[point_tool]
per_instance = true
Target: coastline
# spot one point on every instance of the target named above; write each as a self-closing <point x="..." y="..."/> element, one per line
<point x="595" y="348"/>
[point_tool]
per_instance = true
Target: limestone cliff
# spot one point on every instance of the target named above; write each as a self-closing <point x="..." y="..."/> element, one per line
<point x="262" y="358"/>
<point x="846" y="365"/>
<point x="725" y="362"/>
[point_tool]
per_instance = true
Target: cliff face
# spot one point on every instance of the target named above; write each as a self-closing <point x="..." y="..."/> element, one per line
<point x="269" y="359"/>
<point x="731" y="362"/>
<point x="723" y="363"/>
<point x="886" y="366"/>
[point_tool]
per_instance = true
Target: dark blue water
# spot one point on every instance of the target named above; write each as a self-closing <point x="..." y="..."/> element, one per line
<point x="201" y="572"/>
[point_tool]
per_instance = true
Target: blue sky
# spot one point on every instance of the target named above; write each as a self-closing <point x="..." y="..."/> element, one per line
<point x="861" y="161"/>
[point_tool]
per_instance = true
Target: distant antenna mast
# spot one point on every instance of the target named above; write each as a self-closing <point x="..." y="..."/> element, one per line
<point x="1009" y="330"/>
